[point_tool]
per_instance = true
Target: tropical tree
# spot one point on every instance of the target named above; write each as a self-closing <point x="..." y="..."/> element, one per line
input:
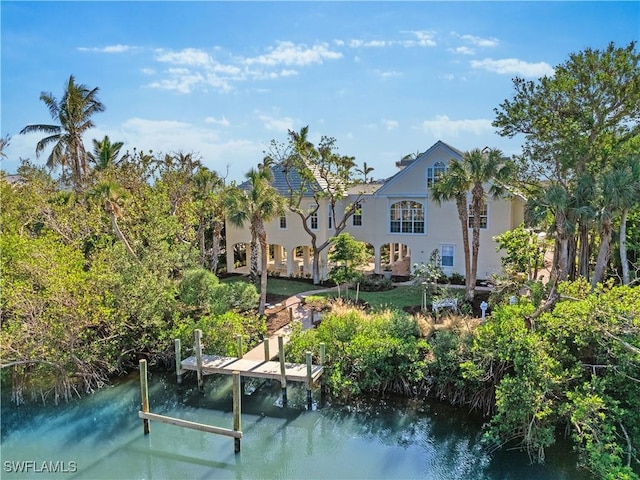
<point x="619" y="190"/>
<point x="208" y="203"/>
<point x="476" y="169"/>
<point x="73" y="114"/>
<point x="347" y="254"/>
<point x="106" y="154"/>
<point x="365" y="171"/>
<point x="111" y="195"/>
<point x="257" y="202"/>
<point x="317" y="175"/>
<point x="575" y="124"/>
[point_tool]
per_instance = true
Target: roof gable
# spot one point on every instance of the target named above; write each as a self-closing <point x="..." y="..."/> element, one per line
<point x="438" y="149"/>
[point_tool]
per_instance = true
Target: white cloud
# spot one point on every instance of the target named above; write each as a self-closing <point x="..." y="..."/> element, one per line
<point x="479" y="41"/>
<point x="390" y="124"/>
<point x="187" y="56"/>
<point x="167" y="136"/>
<point x="148" y="71"/>
<point x="388" y="74"/>
<point x="355" y="43"/>
<point x="283" y="124"/>
<point x="288" y="53"/>
<point x="444" y="127"/>
<point x="465" y="50"/>
<point x="514" y="66"/>
<point x="110" y="49"/>
<point x="214" y="121"/>
<point x="181" y="80"/>
<point x="424" y="38"/>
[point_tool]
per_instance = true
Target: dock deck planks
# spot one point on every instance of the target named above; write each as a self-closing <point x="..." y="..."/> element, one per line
<point x="211" y="364"/>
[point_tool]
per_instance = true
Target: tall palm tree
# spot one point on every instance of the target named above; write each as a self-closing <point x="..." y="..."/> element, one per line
<point x="73" y="114"/>
<point x="258" y="204"/>
<point x="454" y="185"/>
<point x="626" y="205"/>
<point x="619" y="189"/>
<point x="111" y="195"/>
<point x="475" y="169"/>
<point x="207" y="195"/>
<point x="106" y="154"/>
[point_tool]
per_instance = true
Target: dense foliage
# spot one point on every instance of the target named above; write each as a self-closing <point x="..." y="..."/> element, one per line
<point x="576" y="369"/>
<point x="94" y="280"/>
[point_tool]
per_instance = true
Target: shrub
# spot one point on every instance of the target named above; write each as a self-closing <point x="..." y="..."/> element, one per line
<point x="374" y="283"/>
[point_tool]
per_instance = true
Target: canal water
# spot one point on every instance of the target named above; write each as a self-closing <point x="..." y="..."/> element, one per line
<point x="100" y="437"/>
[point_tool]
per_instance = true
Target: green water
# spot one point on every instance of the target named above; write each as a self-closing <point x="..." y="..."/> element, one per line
<point x="100" y="436"/>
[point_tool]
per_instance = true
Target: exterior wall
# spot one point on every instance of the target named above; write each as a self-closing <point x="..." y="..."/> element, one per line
<point x="442" y="226"/>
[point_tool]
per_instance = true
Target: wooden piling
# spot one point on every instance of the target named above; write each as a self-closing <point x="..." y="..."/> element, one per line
<point x="290" y="314"/>
<point x="239" y="342"/>
<point x="198" y="348"/>
<point x="237" y="405"/>
<point x="178" y="348"/>
<point x="283" y="369"/>
<point x="267" y="355"/>
<point x="144" y="393"/>
<point x="309" y="381"/>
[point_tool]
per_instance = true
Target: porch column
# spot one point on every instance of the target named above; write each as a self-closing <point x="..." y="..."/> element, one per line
<point x="231" y="267"/>
<point x="291" y="261"/>
<point x="306" y="258"/>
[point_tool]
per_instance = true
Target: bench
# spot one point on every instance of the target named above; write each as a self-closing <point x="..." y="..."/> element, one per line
<point x="444" y="303"/>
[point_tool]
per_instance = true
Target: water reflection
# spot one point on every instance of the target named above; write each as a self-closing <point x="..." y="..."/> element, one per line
<point x="378" y="438"/>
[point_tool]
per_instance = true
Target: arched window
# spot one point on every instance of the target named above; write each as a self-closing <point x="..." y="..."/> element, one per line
<point x="435" y="173"/>
<point x="406" y="217"/>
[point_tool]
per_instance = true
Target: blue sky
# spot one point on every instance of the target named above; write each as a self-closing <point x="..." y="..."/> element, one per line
<point x="221" y="79"/>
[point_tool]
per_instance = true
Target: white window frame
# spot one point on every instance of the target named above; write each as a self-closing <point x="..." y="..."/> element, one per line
<point x="313" y="217"/>
<point x="410" y="212"/>
<point x="485" y="217"/>
<point x="357" y="213"/>
<point x="435" y="173"/>
<point x="452" y="256"/>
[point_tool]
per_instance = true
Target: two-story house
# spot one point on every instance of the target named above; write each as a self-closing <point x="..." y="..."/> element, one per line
<point x="396" y="218"/>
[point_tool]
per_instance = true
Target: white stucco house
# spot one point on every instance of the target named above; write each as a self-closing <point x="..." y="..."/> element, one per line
<point x="398" y="220"/>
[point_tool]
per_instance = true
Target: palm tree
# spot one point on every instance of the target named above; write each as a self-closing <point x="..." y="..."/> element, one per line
<point x="106" y="154"/>
<point x="626" y="205"/>
<point x="619" y="189"/>
<point x="73" y="114"/>
<point x="111" y="195"/>
<point x="207" y="189"/>
<point x="454" y="185"/>
<point x="258" y="204"/>
<point x="365" y="171"/>
<point x="476" y="168"/>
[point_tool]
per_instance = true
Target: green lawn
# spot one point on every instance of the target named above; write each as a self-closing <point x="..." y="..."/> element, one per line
<point x="397" y="298"/>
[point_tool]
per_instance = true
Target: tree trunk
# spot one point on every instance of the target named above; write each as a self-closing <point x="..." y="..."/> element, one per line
<point x="262" y="235"/>
<point x="253" y="270"/>
<point x="560" y="268"/>
<point x="626" y="279"/>
<point x="603" y="252"/>
<point x="583" y="252"/>
<point x="477" y="202"/>
<point x="216" y="243"/>
<point x="461" y="204"/>
<point x="201" y="244"/>
<point x="120" y="235"/>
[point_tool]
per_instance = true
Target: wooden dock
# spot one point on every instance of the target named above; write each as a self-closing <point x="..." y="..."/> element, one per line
<point x="215" y="364"/>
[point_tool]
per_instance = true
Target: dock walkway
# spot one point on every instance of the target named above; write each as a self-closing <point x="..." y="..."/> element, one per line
<point x="214" y="364"/>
